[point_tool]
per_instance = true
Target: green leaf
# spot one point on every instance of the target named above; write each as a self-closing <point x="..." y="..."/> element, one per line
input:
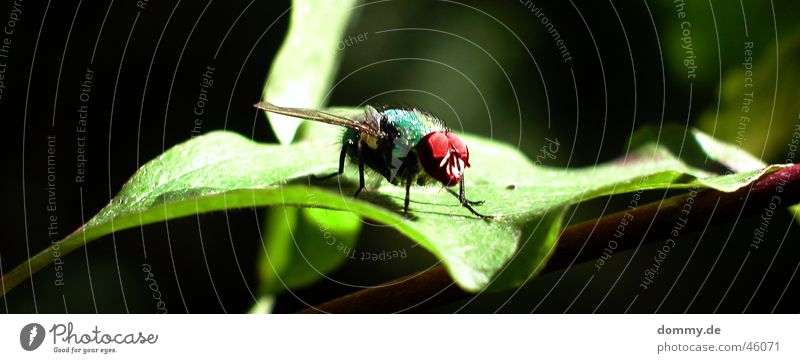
<point x="263" y="305"/>
<point x="758" y="107"/>
<point x="757" y="110"/>
<point x="712" y="36"/>
<point x="294" y="255"/>
<point x="697" y="148"/>
<point x="303" y="245"/>
<point x="223" y="170"/>
<point x="303" y="70"/>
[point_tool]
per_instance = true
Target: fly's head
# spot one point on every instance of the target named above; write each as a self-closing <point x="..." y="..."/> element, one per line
<point x="444" y="156"/>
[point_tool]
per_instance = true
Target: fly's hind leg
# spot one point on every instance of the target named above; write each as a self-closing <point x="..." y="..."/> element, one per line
<point x="360" y="170"/>
<point x="408" y="196"/>
<point x="342" y="156"/>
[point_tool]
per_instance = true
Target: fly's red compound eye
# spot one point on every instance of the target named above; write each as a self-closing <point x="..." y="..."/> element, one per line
<point x="444" y="156"/>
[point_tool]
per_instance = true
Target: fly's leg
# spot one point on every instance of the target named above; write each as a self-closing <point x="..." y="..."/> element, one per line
<point x="470" y="202"/>
<point x="465" y="203"/>
<point x="342" y="157"/>
<point x="408" y="196"/>
<point x="341" y="166"/>
<point x="360" y="171"/>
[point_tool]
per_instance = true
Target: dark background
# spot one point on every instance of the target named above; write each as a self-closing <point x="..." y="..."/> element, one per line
<point x="148" y="64"/>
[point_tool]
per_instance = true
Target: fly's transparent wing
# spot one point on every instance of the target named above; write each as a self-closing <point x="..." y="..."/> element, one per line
<point x="316" y="115"/>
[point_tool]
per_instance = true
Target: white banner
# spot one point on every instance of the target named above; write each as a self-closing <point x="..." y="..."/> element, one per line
<point x="400" y="338"/>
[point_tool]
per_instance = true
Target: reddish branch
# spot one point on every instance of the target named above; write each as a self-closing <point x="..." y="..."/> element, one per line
<point x="586" y="241"/>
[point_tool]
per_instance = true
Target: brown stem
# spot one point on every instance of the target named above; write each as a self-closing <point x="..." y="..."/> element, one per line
<point x="586" y="241"/>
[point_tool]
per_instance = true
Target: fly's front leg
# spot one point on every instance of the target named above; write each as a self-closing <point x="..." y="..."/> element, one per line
<point x="470" y="202"/>
<point x="465" y="203"/>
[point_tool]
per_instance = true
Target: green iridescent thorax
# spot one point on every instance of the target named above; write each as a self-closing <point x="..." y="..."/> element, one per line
<point x="395" y="155"/>
<point x="403" y="126"/>
<point x="411" y="126"/>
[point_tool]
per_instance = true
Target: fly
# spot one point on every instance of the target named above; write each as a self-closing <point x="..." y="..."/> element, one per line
<point x="405" y="145"/>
